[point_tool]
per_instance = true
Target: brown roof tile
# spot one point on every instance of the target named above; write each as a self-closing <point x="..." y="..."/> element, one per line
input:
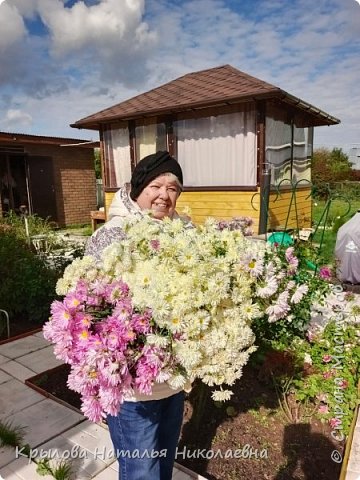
<point x="223" y="84"/>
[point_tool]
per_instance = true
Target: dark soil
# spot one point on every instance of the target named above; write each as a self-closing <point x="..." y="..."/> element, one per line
<point x="280" y="450"/>
<point x="54" y="383"/>
<point x="18" y="326"/>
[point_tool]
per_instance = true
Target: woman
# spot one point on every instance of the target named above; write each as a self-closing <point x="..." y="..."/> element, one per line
<point x="146" y="430"/>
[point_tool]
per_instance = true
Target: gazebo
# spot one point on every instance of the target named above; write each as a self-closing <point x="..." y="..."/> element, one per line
<point x="239" y="140"/>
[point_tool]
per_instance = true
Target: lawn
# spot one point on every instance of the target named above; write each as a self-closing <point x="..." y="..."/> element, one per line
<point x="340" y="212"/>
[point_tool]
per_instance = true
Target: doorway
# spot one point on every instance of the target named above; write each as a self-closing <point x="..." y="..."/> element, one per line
<point x="14" y="191"/>
<point x="27" y="185"/>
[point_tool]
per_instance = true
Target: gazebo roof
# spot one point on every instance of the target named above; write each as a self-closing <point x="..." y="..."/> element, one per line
<point x="219" y="86"/>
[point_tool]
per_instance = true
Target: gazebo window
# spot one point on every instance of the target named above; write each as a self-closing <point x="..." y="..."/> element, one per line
<point x="278" y="151"/>
<point x="117" y="155"/>
<point x="287" y="148"/>
<point x="218" y="150"/>
<point x="301" y="166"/>
<point x="149" y="138"/>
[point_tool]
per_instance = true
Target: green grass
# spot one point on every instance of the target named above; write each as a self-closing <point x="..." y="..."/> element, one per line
<point x="81" y="229"/>
<point x="11" y="435"/>
<point x="339" y="213"/>
<point x="339" y="208"/>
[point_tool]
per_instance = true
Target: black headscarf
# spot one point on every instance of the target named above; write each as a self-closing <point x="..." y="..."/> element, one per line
<point x="151" y="167"/>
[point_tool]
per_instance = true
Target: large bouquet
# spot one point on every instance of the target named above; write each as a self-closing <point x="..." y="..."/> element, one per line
<point x="168" y="303"/>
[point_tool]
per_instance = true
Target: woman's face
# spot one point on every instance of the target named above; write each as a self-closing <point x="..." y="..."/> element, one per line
<point x="160" y="197"/>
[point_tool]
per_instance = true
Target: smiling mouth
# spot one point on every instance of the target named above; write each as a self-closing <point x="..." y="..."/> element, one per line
<point x="160" y="205"/>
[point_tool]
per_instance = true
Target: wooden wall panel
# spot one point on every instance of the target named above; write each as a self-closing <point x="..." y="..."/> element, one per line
<point x="226" y="205"/>
<point x="221" y="205"/>
<point x="279" y="208"/>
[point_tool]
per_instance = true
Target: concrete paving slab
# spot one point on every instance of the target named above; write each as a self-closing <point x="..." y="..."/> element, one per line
<point x="23" y="346"/>
<point x="186" y="473"/>
<point x="354" y="457"/>
<point x="15" y="396"/>
<point x="40" y="335"/>
<point x="93" y="438"/>
<point x="84" y="463"/>
<point x="7" y="455"/>
<point x="115" y="466"/>
<point x="3" y="359"/>
<point x="4" y="377"/>
<point x="45" y="420"/>
<point x="112" y="472"/>
<point x="107" y="474"/>
<point x="352" y="476"/>
<point x="16" y="370"/>
<point x="40" y="360"/>
<point x="21" y="469"/>
<point x="179" y="475"/>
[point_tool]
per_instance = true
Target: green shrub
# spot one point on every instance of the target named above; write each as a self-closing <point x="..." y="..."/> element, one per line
<point x="36" y="225"/>
<point x="27" y="285"/>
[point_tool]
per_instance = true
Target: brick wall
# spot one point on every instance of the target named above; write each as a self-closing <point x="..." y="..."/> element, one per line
<point x="74" y="179"/>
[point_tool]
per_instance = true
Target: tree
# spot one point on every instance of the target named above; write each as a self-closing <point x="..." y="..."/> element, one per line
<point x="97" y="163"/>
<point x="330" y="166"/>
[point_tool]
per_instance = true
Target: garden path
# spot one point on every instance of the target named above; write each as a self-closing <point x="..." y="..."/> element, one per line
<point x="50" y="427"/>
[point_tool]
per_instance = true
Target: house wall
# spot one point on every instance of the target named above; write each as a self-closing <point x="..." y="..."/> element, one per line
<point x="74" y="179"/>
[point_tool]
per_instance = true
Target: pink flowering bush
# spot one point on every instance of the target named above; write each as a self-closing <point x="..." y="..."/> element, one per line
<point x="98" y="332"/>
<point x="325" y="374"/>
<point x="286" y="290"/>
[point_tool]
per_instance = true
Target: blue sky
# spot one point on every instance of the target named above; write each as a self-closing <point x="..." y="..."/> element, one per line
<point x="62" y="60"/>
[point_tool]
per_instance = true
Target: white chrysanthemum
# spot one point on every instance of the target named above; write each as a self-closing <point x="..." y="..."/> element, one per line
<point x="62" y="286"/>
<point x="177" y="381"/>
<point x="269" y="287"/>
<point x="73" y="272"/>
<point x="308" y="359"/>
<point x="188" y="258"/>
<point x="173" y="227"/>
<point x="251" y="310"/>
<point x="187" y="353"/>
<point x="299" y="293"/>
<point x="157" y="340"/>
<point x="221" y="395"/>
<point x="163" y="376"/>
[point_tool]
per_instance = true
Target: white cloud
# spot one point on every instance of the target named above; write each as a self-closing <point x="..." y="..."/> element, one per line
<point x="109" y="35"/>
<point x="26" y="8"/>
<point x="12" y="27"/>
<point x="15" y="120"/>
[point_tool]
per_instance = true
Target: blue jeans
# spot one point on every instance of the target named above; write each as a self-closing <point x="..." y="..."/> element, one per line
<point x="145" y="437"/>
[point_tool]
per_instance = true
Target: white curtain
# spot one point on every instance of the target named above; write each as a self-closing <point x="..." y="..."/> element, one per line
<point x="218" y="150"/>
<point x="302" y="155"/>
<point x="278" y="149"/>
<point x="145" y="140"/>
<point x="117" y="153"/>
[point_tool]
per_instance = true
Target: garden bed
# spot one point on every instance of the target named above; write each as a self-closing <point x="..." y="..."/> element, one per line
<point x="281" y="450"/>
<point x="19" y="327"/>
